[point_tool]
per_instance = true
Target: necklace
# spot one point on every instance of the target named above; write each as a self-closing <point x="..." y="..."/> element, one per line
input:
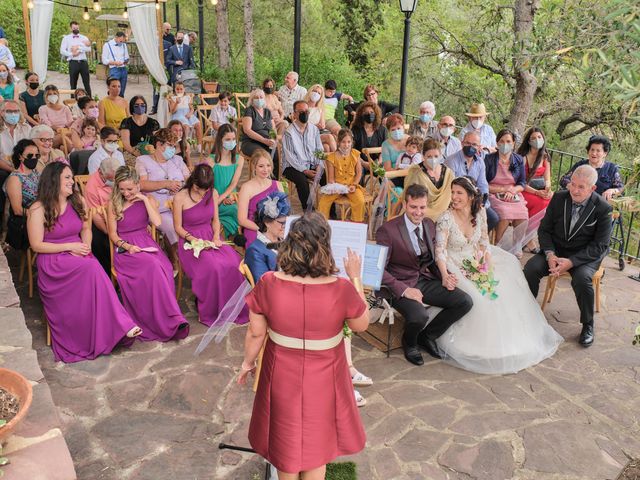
<point x="166" y="171"/>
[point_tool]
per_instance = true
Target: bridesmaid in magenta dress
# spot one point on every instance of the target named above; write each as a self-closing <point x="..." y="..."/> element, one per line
<point x="82" y="308"/>
<point x="214" y="273"/>
<point x="255" y="190"/>
<point x="144" y="273"/>
<point x="304" y="413"/>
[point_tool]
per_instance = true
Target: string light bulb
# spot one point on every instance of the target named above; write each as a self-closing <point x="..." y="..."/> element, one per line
<point x="157" y="5"/>
<point x="125" y="14"/>
<point x="30" y="5"/>
<point x="96" y="5"/>
<point x="214" y="2"/>
<point x="85" y="15"/>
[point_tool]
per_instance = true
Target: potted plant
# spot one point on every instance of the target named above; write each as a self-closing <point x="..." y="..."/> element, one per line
<point x="209" y="78"/>
<point x="15" y="399"/>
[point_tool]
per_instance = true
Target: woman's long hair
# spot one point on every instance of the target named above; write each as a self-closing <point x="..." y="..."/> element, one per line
<point x="217" y="144"/>
<point x="306" y="252"/>
<point x="469" y="186"/>
<point x="49" y="194"/>
<point x="183" y="141"/>
<point x="201" y="177"/>
<point x="123" y="174"/>
<point x="358" y="121"/>
<point x="525" y="148"/>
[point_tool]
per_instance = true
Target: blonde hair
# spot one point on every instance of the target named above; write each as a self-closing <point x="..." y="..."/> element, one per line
<point x="253" y="95"/>
<point x="261" y="153"/>
<point x="123" y="174"/>
<point x="319" y="103"/>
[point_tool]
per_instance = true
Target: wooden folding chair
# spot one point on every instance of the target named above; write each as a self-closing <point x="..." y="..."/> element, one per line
<point x="394" y="199"/>
<point x="169" y="204"/>
<point x="209" y="98"/>
<point x="551" y="286"/>
<point x="204" y="112"/>
<point x="27" y="261"/>
<point x="81" y="183"/>
<point x="246" y="272"/>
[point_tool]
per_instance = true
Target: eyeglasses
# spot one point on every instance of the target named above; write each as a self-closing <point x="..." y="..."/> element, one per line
<point x="12" y="111"/>
<point x="282" y="222"/>
<point x="46" y="140"/>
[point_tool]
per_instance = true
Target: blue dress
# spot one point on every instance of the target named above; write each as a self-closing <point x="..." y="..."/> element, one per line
<point x="260" y="259"/>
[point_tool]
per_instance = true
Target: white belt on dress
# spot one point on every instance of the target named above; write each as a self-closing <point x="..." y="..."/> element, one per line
<point x="302" y="344"/>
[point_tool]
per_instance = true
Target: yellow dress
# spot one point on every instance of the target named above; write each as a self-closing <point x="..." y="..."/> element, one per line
<point x="439" y="198"/>
<point x="345" y="173"/>
<point x="113" y="113"/>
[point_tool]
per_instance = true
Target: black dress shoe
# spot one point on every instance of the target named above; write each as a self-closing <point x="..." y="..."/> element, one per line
<point x="586" y="336"/>
<point x="412" y="354"/>
<point x="430" y="346"/>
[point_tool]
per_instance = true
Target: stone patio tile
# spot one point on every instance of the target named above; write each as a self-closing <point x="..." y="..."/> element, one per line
<point x="438" y="416"/>
<point x="386" y="464"/>
<point x="481" y="424"/>
<point x="404" y="394"/>
<point x="469" y="392"/>
<point x="134" y="394"/>
<point x="46" y="460"/>
<point x="42" y="415"/>
<point x="183" y="460"/>
<point x="420" y="445"/>
<point x="390" y="429"/>
<point x="505" y="390"/>
<point x="22" y="360"/>
<point x="14" y="333"/>
<point x="489" y="460"/>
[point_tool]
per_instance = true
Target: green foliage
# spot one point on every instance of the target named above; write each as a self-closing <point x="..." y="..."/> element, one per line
<point x="359" y="20"/>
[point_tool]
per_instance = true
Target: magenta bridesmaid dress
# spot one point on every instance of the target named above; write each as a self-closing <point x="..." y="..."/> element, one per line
<point x="84" y="314"/>
<point x="146" y="280"/>
<point x="251" y="235"/>
<point x="214" y="274"/>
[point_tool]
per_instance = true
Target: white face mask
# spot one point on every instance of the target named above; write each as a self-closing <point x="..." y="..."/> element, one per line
<point x="52" y="98"/>
<point x="111" y="146"/>
<point x="477" y="122"/>
<point x="537" y="143"/>
<point x="180" y="95"/>
<point x="433" y="162"/>
<point x="315" y="96"/>
<point x="447" y="131"/>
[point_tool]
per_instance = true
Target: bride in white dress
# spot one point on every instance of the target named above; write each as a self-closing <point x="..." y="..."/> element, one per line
<point x="501" y="335"/>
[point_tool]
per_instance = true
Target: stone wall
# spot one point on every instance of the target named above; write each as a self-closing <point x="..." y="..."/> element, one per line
<point x="37" y="450"/>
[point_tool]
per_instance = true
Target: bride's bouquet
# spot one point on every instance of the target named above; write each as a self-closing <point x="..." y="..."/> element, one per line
<point x="479" y="272"/>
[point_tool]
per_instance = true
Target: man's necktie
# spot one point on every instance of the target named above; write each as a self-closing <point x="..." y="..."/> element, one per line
<point x="421" y="243"/>
<point x="575" y="215"/>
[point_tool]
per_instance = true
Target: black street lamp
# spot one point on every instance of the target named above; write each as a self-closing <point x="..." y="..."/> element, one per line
<point x="407" y="7"/>
<point x="297" y="31"/>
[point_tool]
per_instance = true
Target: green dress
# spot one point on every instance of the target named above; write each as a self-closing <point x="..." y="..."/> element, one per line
<point x="222" y="177"/>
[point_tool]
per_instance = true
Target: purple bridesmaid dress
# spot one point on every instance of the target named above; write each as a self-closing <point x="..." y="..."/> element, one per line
<point x="84" y="314"/>
<point x="251" y="235"/>
<point x="214" y="275"/>
<point x="146" y="281"/>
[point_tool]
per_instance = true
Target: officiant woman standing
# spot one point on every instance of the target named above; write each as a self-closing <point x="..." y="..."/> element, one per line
<point x="304" y="413"/>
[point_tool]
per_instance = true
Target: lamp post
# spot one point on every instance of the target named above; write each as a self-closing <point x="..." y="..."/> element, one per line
<point x="201" y="33"/>
<point x="407" y="7"/>
<point x="297" y="31"/>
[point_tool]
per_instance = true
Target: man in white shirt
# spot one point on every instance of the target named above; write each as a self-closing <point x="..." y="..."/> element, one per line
<point x="108" y="148"/>
<point x="74" y="49"/>
<point x="290" y="93"/>
<point x="115" y="55"/>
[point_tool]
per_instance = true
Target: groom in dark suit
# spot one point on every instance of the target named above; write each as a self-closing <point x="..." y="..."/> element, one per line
<point x="574" y="237"/>
<point x="179" y="57"/>
<point x="414" y="279"/>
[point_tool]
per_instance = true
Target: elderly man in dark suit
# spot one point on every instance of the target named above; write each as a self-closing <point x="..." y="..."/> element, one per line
<point x="179" y="57"/>
<point x="414" y="280"/>
<point x="574" y="237"/>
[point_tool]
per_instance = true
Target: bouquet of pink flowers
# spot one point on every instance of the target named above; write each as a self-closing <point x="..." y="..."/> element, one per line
<point x="479" y="271"/>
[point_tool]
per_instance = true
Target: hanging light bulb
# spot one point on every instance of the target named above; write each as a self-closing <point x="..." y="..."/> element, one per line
<point x="214" y="2"/>
<point x="125" y="14"/>
<point x="96" y="5"/>
<point x="85" y="15"/>
<point x="30" y="5"/>
<point x="157" y="5"/>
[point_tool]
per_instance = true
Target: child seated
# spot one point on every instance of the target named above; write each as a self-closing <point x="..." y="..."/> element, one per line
<point x="343" y="167"/>
<point x="181" y="109"/>
<point x="412" y="155"/>
<point x="89" y="134"/>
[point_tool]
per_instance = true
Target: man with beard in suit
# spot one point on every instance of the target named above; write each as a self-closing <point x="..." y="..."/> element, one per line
<point x="574" y="237"/>
<point x="414" y="280"/>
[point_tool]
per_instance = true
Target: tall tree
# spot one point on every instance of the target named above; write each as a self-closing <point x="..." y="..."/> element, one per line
<point x="248" y="41"/>
<point x="222" y="27"/>
<point x="358" y="21"/>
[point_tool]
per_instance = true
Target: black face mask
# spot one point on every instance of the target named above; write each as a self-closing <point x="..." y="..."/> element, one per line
<point x="369" y="117"/>
<point x="303" y="117"/>
<point x="179" y="42"/>
<point x="34" y="85"/>
<point x="31" y="161"/>
<point x="469" y="150"/>
<point x="268" y="90"/>
<point x="76" y="31"/>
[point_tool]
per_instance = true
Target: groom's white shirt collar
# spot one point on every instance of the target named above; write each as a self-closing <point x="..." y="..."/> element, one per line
<point x="411" y="227"/>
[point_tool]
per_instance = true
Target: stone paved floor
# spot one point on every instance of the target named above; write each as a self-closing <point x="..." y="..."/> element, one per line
<point x="157" y="412"/>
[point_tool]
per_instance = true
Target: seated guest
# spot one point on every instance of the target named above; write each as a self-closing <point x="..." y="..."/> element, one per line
<point x="108" y="147"/>
<point x="97" y="193"/>
<point x="146" y="279"/>
<point x="300" y="143"/>
<point x="137" y="128"/>
<point x="331" y="99"/>
<point x="43" y="135"/>
<point x="12" y="129"/>
<point x="163" y="174"/>
<point x="506" y="178"/>
<point x="214" y="273"/>
<point x="412" y="155"/>
<point x="271" y="215"/>
<point x="223" y="113"/>
<point x="113" y="109"/>
<point x="414" y="280"/>
<point x="274" y="105"/>
<point x="290" y="93"/>
<point x="8" y="90"/>
<point x="254" y="190"/>
<point x="181" y="109"/>
<point x="89" y="138"/>
<point x="537" y="191"/>
<point x="434" y="176"/>
<point x="387" y="109"/>
<point x="609" y="182"/>
<point x="6" y="56"/>
<point x="88" y="110"/>
<point x="395" y="145"/>
<point x="315" y="100"/>
<point x="21" y="188"/>
<point x="343" y="167"/>
<point x="76" y="111"/>
<point x="55" y="114"/>
<point x="477" y="117"/>
<point x="227" y="169"/>
<point x="83" y="311"/>
<point x="32" y="98"/>
<point x="367" y="129"/>
<point x="182" y="146"/>
<point x="450" y="143"/>
<point x="425" y="126"/>
<point x="469" y="162"/>
<point x="257" y="125"/>
<point x="574" y="238"/>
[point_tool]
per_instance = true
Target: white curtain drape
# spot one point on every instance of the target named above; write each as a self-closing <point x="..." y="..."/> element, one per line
<point x="41" y="17"/>
<point x="142" y="18"/>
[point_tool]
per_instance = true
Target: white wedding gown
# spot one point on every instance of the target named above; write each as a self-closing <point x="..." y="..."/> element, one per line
<point x="504" y="335"/>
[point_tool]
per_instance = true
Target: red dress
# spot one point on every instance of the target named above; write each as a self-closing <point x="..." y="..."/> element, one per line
<point x="535" y="203"/>
<point x="304" y="413"/>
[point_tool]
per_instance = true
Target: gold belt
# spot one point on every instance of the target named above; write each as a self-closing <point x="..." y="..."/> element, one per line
<point x="302" y="344"/>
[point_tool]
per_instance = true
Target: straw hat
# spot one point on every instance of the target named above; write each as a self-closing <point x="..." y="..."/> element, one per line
<point x="477" y="110"/>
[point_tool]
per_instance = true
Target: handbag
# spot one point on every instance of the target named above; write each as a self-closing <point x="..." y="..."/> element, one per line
<point x="17" y="236"/>
<point x="538" y="183"/>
